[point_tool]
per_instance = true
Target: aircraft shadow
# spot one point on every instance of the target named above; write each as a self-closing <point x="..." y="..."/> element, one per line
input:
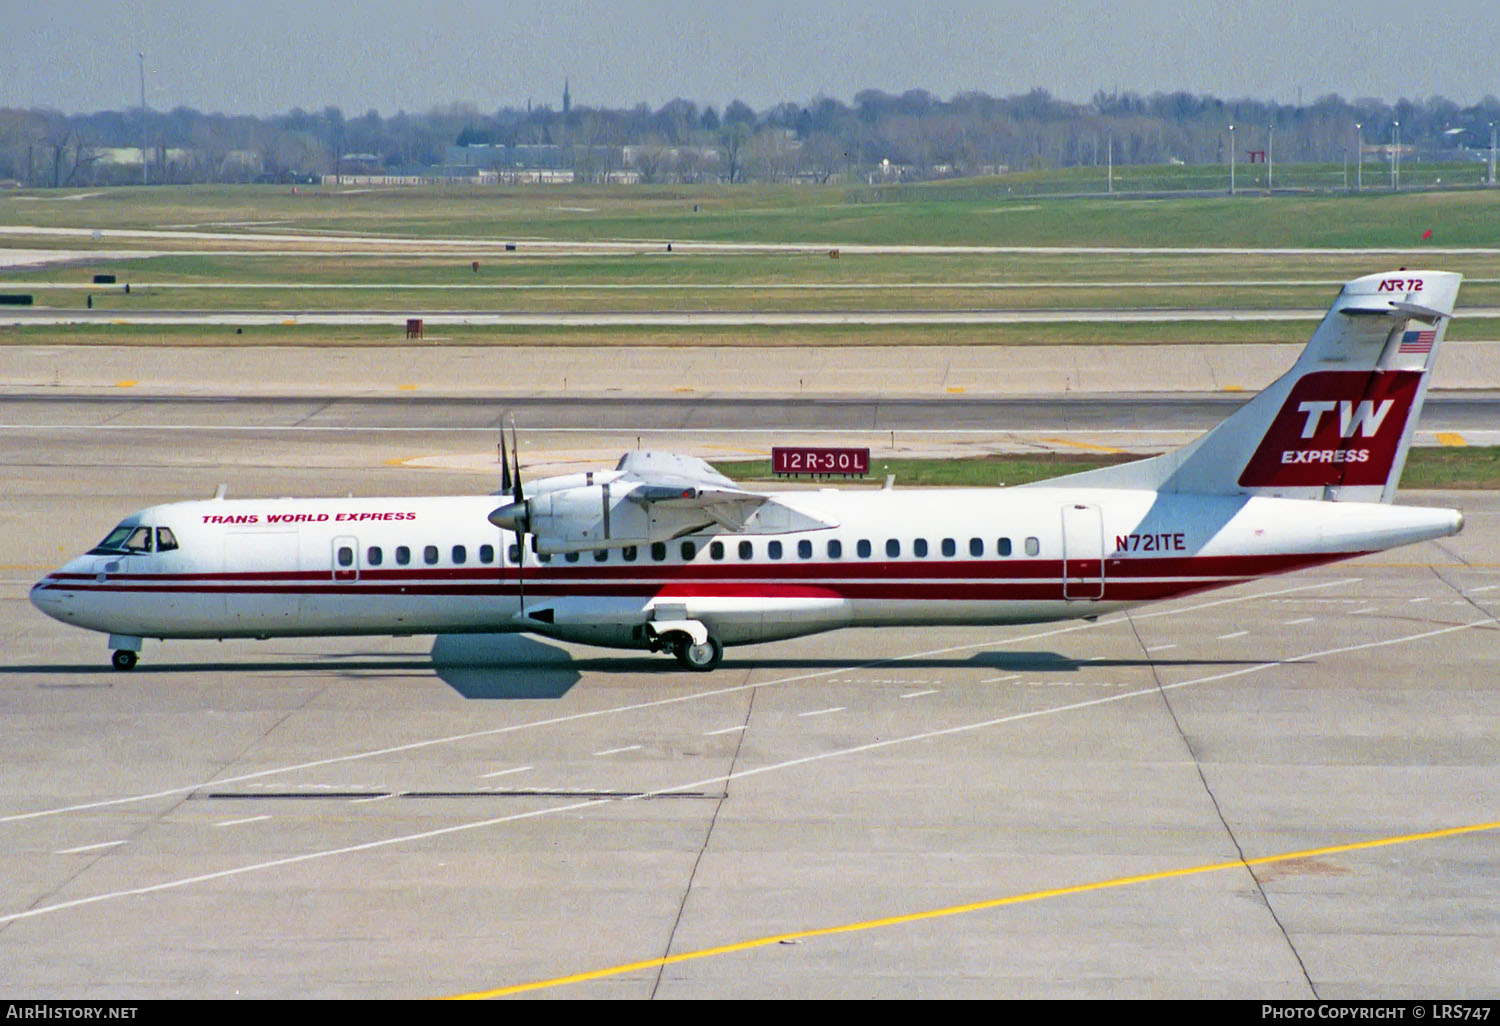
<point x="518" y="666"/>
<point x="504" y="666"/>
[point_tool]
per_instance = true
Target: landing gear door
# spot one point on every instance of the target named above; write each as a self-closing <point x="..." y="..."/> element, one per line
<point x="1083" y="552"/>
<point x="345" y="558"/>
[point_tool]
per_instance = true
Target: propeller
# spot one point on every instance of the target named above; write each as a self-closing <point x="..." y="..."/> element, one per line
<point x="515" y="516"/>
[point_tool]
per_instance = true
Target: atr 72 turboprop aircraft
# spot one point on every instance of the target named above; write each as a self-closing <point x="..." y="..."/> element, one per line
<point x="665" y="553"/>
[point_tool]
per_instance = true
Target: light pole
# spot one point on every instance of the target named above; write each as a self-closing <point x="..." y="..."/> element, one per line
<point x="1359" y="156"/>
<point x="1492" y="153"/>
<point x="1396" y="159"/>
<point x="1231" y="160"/>
<point x="1110" y="162"/>
<point x="142" y="58"/>
<point x="1270" y="158"/>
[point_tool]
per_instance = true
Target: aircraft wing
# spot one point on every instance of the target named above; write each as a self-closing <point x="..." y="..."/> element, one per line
<point x="684" y="484"/>
<point x="650" y="497"/>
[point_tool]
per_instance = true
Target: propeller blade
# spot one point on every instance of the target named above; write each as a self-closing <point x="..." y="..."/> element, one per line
<point x="515" y="454"/>
<point x="505" y="485"/>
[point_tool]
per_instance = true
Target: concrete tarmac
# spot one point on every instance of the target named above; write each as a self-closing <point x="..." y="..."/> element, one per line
<point x="437" y="367"/>
<point x="1282" y="790"/>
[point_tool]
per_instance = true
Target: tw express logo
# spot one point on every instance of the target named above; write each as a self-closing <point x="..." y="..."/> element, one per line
<point x="1335" y="428"/>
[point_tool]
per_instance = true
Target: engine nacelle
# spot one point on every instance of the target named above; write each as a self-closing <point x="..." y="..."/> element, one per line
<point x="591" y="517"/>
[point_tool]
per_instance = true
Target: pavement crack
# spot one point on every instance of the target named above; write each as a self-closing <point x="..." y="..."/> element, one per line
<point x="707" y="836"/>
<point x="1219" y="811"/>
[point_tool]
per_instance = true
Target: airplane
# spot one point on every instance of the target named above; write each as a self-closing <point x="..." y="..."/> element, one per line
<point x="664" y="553"/>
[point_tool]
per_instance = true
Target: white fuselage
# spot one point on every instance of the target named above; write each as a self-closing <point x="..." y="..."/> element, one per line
<point x="264" y="568"/>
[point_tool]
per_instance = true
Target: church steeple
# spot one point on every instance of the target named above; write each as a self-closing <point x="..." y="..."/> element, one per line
<point x="567" y="97"/>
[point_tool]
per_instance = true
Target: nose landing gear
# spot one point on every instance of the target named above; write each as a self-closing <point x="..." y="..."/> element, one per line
<point x="127" y="651"/>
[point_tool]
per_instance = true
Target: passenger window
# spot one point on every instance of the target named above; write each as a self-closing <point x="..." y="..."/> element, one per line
<point x="513" y="553"/>
<point x="950" y="547"/>
<point x="139" y="540"/>
<point x="166" y="541"/>
<point x="543" y="557"/>
<point x="346" y="555"/>
<point x="716" y="550"/>
<point x="1033" y="546"/>
<point x="835" y="549"/>
<point x="373" y="555"/>
<point x="689" y="550"/>
<point x="892" y="548"/>
<point x="486" y="553"/>
<point x="862" y="548"/>
<point x="430" y="555"/>
<point x="629" y="552"/>
<point x="976" y="546"/>
<point x="460" y="554"/>
<point x="403" y="555"/>
<point x="773" y="550"/>
<point x="658" y="551"/>
<point x="747" y="551"/>
<point x="919" y="548"/>
<point x="1003" y="546"/>
<point x="804" y="549"/>
<point x="600" y="555"/>
<point x="571" y="557"/>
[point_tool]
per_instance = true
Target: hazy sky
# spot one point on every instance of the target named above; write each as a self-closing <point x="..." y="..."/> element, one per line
<point x="267" y="56"/>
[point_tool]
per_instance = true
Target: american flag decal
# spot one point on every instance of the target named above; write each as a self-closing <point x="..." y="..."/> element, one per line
<point x="1417" y="341"/>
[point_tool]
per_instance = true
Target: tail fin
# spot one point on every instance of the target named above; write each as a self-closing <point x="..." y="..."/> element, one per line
<point x="1337" y="425"/>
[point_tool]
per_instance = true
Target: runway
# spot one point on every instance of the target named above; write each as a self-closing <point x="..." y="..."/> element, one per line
<point x="348" y="243"/>
<point x="1283" y="790"/>
<point x="44" y="317"/>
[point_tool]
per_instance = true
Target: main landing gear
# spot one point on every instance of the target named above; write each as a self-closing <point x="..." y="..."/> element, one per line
<point x="701" y="658"/>
<point x="124" y="659"/>
<point x="688" y="640"/>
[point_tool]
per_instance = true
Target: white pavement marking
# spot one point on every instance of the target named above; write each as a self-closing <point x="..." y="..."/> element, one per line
<point x="1293" y="623"/>
<point x="661" y="702"/>
<point x="505" y="772"/>
<point x="1236" y="634"/>
<point x="90" y="847"/>
<point x="241" y="822"/>
<point x="919" y="694"/>
<point x="823" y="712"/>
<point x="617" y="751"/>
<point x="722" y="779"/>
<point x="725" y="730"/>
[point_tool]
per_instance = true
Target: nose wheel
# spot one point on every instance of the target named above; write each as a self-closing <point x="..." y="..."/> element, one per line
<point x="124" y="659"/>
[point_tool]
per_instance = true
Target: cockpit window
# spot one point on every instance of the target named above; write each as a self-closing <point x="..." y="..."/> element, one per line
<point x="166" y="541"/>
<point x="124" y="539"/>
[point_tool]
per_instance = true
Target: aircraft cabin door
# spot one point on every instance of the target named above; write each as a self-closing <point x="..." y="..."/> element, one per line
<point x="1083" y="552"/>
<point x="346" y="558"/>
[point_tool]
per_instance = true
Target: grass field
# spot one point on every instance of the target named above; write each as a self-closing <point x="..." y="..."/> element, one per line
<point x="1474" y="467"/>
<point x="262" y="263"/>
<point x="962" y="212"/>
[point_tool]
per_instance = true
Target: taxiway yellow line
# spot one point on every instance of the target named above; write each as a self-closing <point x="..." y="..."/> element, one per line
<point x="1079" y="445"/>
<point x="978" y="906"/>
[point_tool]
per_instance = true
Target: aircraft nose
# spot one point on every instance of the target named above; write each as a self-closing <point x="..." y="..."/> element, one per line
<point x="46" y="598"/>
